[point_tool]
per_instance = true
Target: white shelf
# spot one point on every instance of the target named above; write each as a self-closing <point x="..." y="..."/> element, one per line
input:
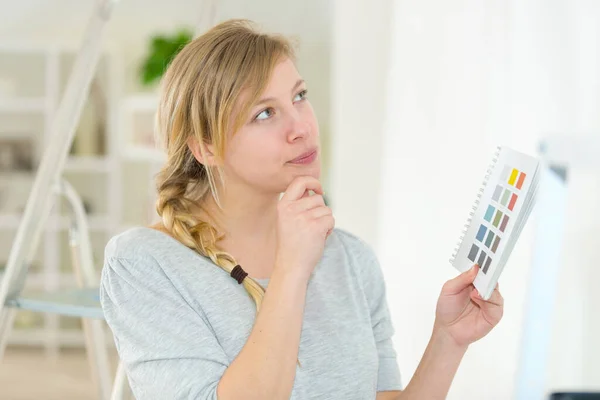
<point x="140" y="153"/>
<point x="99" y="164"/>
<point x="37" y="280"/>
<point x="32" y="47"/>
<point x="88" y="164"/>
<point x="22" y="104"/>
<point x="17" y="175"/>
<point x="9" y="221"/>
<point x="147" y="103"/>
<point x="39" y="337"/>
<point x="95" y="222"/>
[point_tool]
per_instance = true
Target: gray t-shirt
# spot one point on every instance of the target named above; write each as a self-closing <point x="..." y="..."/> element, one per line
<point x="179" y="320"/>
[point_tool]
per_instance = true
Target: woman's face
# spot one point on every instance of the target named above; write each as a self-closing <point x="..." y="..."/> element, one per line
<point x="265" y="153"/>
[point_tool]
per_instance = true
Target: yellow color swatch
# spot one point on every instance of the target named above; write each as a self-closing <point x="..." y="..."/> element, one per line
<point x="513" y="177"/>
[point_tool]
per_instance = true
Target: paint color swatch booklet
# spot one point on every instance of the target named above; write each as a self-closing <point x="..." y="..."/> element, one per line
<point x="503" y="205"/>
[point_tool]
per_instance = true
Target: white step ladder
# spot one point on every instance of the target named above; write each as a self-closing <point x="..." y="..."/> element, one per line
<point x="84" y="302"/>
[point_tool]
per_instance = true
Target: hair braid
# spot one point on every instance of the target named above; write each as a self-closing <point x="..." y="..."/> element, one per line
<point x="173" y="206"/>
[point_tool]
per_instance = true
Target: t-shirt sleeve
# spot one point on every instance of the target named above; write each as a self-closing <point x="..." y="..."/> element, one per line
<point x="167" y="348"/>
<point x="375" y="291"/>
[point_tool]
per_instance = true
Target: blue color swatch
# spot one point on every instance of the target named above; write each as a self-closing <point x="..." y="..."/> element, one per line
<point x="481" y="233"/>
<point x="489" y="213"/>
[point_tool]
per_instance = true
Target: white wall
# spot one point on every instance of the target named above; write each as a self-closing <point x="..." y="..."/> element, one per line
<point x="575" y="348"/>
<point x="360" y="61"/>
<point x="446" y="112"/>
<point x="465" y="76"/>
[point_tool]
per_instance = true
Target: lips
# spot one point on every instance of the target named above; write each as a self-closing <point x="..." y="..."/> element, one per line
<point x="305" y="156"/>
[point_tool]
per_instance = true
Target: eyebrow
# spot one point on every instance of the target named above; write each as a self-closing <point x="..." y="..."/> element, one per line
<point x="267" y="99"/>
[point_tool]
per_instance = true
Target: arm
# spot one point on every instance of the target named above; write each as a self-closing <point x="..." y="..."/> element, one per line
<point x="266" y="366"/>
<point x="462" y="317"/>
<point x="169" y="350"/>
<point x="440" y="360"/>
<point x="371" y="279"/>
<point x="436" y="370"/>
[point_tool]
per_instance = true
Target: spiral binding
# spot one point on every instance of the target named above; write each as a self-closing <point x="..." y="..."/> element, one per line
<point x="467" y="225"/>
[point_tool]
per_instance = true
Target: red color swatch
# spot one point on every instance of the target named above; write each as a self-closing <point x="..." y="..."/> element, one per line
<point x="512" y="202"/>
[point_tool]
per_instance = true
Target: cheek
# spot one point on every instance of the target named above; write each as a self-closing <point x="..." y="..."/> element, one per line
<point x="311" y="119"/>
<point x="258" y="152"/>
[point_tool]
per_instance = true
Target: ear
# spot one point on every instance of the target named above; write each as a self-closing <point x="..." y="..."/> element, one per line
<point x="203" y="153"/>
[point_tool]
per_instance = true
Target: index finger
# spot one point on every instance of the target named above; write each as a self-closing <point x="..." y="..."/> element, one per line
<point x="300" y="185"/>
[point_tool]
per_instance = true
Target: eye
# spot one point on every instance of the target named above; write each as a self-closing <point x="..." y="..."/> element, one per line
<point x="301" y="95"/>
<point x="264" y="114"/>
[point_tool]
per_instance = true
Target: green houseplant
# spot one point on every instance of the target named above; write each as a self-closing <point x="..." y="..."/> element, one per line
<point x="161" y="50"/>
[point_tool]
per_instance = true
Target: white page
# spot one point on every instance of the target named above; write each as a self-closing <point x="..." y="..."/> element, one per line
<point x="488" y="240"/>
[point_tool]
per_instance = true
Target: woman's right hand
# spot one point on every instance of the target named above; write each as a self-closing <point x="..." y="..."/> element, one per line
<point x="304" y="223"/>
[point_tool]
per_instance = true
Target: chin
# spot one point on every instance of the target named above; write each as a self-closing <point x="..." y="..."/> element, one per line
<point x="312" y="170"/>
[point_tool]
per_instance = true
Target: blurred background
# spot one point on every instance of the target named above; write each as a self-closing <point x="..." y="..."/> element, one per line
<point x="412" y="98"/>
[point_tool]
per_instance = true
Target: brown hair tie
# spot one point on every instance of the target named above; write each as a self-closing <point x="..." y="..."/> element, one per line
<point x="238" y="274"/>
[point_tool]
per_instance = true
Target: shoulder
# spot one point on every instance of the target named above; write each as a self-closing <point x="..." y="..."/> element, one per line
<point x="127" y="260"/>
<point x="142" y="259"/>
<point x="143" y="245"/>
<point x="137" y="243"/>
<point x="353" y="245"/>
<point x="362" y="260"/>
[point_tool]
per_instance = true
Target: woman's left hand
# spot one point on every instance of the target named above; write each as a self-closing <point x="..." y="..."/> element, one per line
<point x="463" y="314"/>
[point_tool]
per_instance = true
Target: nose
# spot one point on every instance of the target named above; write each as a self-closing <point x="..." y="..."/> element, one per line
<point x="298" y="127"/>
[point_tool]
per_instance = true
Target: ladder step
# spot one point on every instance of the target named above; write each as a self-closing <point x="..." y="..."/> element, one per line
<point x="84" y="303"/>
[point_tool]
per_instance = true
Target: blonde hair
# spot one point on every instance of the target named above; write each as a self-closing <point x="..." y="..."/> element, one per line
<point x="199" y="91"/>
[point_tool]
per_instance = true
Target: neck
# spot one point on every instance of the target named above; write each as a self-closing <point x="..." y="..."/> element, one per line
<point x="245" y="217"/>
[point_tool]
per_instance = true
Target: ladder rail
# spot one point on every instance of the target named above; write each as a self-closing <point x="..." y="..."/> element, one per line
<point x="62" y="131"/>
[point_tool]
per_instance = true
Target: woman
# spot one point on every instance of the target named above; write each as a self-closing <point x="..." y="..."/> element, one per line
<point x="186" y="299"/>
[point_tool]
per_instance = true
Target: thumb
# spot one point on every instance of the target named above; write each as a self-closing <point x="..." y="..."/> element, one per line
<point x="462" y="281"/>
